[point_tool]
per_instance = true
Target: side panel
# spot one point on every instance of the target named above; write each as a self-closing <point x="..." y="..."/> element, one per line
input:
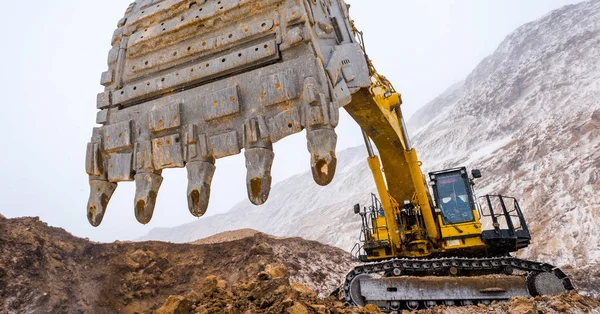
<point x="443" y="288"/>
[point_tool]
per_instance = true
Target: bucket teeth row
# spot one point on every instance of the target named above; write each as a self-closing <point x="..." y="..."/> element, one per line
<point x="258" y="178"/>
<point x="321" y="145"/>
<point x="147" y="185"/>
<point x="259" y="161"/>
<point x="200" y="174"/>
<point x="100" y="193"/>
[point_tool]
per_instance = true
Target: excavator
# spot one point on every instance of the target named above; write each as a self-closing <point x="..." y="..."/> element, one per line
<point x="192" y="81"/>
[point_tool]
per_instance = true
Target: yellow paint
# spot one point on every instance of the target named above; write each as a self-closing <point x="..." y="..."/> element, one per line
<point x="470" y="237"/>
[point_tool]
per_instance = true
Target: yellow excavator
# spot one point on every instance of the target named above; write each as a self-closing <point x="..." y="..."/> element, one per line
<point x="422" y="248"/>
<point x="192" y="81"/>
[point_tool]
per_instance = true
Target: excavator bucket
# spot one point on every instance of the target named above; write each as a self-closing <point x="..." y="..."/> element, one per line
<point x="191" y="81"/>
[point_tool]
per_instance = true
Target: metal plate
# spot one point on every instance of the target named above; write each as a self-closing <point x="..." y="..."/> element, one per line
<point x="443" y="288"/>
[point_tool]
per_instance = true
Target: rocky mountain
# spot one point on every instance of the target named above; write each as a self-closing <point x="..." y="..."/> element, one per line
<point x="528" y="116"/>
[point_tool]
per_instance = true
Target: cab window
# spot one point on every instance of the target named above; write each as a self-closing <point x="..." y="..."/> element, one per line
<point x="454" y="199"/>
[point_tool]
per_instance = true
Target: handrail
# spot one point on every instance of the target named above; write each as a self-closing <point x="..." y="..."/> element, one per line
<point x="357" y="247"/>
<point x="508" y="214"/>
<point x="370" y="230"/>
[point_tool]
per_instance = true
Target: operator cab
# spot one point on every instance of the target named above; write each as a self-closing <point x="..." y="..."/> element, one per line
<point x="456" y="211"/>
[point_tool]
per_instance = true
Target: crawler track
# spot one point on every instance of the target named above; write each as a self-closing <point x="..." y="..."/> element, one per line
<point x="536" y="277"/>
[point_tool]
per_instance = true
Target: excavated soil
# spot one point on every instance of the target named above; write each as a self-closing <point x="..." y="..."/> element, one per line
<point x="47" y="270"/>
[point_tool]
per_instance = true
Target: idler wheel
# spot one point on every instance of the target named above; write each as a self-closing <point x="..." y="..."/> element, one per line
<point x="354" y="291"/>
<point x="545" y="284"/>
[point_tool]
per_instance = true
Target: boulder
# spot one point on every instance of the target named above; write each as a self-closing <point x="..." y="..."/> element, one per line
<point x="297" y="308"/>
<point x="302" y="289"/>
<point x="143" y="258"/>
<point x="175" y="304"/>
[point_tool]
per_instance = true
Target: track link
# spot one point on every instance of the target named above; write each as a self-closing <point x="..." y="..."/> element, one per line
<point x="451" y="267"/>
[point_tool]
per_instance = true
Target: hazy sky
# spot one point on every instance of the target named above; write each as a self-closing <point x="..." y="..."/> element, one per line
<point x="53" y="53"/>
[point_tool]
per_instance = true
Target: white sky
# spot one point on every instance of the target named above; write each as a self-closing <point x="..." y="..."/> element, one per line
<point x="53" y="53"/>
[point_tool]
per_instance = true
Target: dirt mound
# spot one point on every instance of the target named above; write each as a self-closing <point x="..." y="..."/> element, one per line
<point x="227" y="236"/>
<point x="47" y="270"/>
<point x="271" y="292"/>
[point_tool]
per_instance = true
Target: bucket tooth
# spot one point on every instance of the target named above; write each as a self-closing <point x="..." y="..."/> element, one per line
<point x="100" y="193"/>
<point x="321" y="145"/>
<point x="147" y="185"/>
<point x="200" y="174"/>
<point x="258" y="179"/>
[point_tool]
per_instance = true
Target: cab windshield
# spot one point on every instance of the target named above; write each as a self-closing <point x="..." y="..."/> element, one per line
<point x="454" y="199"/>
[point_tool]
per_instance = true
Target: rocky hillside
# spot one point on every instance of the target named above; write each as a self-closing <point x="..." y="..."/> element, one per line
<point x="46" y="270"/>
